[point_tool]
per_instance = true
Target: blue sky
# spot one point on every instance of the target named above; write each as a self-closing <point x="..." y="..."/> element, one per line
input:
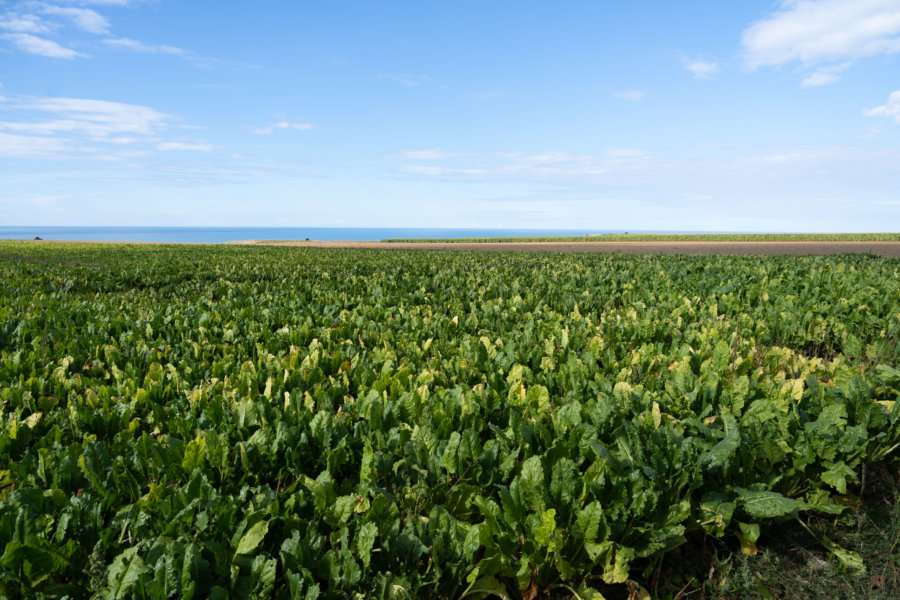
<point x="727" y="116"/>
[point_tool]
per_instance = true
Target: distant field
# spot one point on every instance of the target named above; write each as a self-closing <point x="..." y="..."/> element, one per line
<point x="674" y="237"/>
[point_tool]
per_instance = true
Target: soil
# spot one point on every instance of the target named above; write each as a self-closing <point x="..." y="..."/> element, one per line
<point x="885" y="249"/>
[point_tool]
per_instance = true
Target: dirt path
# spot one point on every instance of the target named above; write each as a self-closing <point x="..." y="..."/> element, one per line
<point x="885" y="249"/>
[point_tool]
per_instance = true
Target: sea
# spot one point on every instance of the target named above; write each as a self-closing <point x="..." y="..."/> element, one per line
<point x="218" y="235"/>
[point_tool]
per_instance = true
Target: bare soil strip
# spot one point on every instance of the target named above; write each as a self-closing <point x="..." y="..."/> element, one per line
<point x="884" y="249"/>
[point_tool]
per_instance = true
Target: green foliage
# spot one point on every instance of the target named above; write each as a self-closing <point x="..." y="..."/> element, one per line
<point x="670" y="237"/>
<point x="256" y="422"/>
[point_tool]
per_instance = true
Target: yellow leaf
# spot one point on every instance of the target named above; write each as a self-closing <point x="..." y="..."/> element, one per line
<point x="748" y="548"/>
<point x="888" y="405"/>
<point x="33" y="419"/>
<point x="636" y="591"/>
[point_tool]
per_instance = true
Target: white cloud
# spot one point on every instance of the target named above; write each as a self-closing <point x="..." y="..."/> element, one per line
<point x="23" y="23"/>
<point x="281" y="125"/>
<point x="137" y="46"/>
<point x="409" y="79"/>
<point x="33" y="44"/>
<point x="871" y="133"/>
<point x="24" y="146"/>
<point x="436" y="171"/>
<point x="195" y="146"/>
<point x="825" y="75"/>
<point x="78" y="128"/>
<point x="426" y="154"/>
<point x="702" y="69"/>
<point x="96" y="118"/>
<point x="825" y="30"/>
<point x="100" y="2"/>
<point x="629" y="188"/>
<point x="529" y="165"/>
<point x="630" y="95"/>
<point x="83" y="18"/>
<point x="890" y="109"/>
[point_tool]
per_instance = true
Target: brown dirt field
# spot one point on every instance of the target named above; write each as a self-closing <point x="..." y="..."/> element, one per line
<point x="885" y="249"/>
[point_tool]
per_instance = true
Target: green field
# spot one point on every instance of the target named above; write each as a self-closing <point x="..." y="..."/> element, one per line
<point x="676" y="237"/>
<point x="259" y="422"/>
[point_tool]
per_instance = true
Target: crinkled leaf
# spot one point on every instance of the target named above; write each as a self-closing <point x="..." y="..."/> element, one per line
<point x="767" y="504"/>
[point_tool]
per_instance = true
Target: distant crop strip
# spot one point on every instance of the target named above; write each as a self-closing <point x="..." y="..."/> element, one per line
<point x="672" y="237"/>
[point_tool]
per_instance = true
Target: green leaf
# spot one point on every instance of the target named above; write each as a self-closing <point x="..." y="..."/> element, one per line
<point x="848" y="558"/>
<point x="472" y="541"/>
<point x="589" y="519"/>
<point x="543" y="535"/>
<point x="365" y="540"/>
<point x="252" y="537"/>
<point x="531" y="481"/>
<point x="190" y="571"/>
<point x="486" y="587"/>
<point x="262" y="572"/>
<point x="565" y="482"/>
<point x="124" y="572"/>
<point x="341" y="511"/>
<point x="450" y="458"/>
<point x="767" y="504"/>
<point x="194" y="453"/>
<point x="616" y="571"/>
<point x="720" y="454"/>
<point x="838" y="475"/>
<point x="748" y="535"/>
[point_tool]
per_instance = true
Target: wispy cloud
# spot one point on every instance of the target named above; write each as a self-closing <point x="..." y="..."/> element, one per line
<point x="83" y="18"/>
<point x="96" y="118"/>
<point x="871" y="133"/>
<point x="280" y="125"/>
<point x="630" y="95"/>
<point x="101" y="2"/>
<point x="702" y="69"/>
<point x="194" y="146"/>
<point x="25" y="146"/>
<point x="409" y="79"/>
<point x="628" y="185"/>
<point x="33" y="44"/>
<point x="86" y="128"/>
<point x="27" y="18"/>
<point x="523" y="165"/>
<point x="137" y="46"/>
<point x="439" y="171"/>
<point x="889" y="109"/>
<point x="426" y="154"/>
<point x="826" y="75"/>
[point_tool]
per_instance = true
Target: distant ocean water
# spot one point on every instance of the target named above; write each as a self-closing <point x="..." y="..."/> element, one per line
<point x="217" y="235"/>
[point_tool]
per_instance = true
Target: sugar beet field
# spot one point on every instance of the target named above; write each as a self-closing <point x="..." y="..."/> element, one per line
<point x="260" y="422"/>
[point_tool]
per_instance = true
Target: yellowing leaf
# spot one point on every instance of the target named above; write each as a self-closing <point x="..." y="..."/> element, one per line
<point x="636" y="591"/>
<point x="848" y="558"/>
<point x="33" y="419"/>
